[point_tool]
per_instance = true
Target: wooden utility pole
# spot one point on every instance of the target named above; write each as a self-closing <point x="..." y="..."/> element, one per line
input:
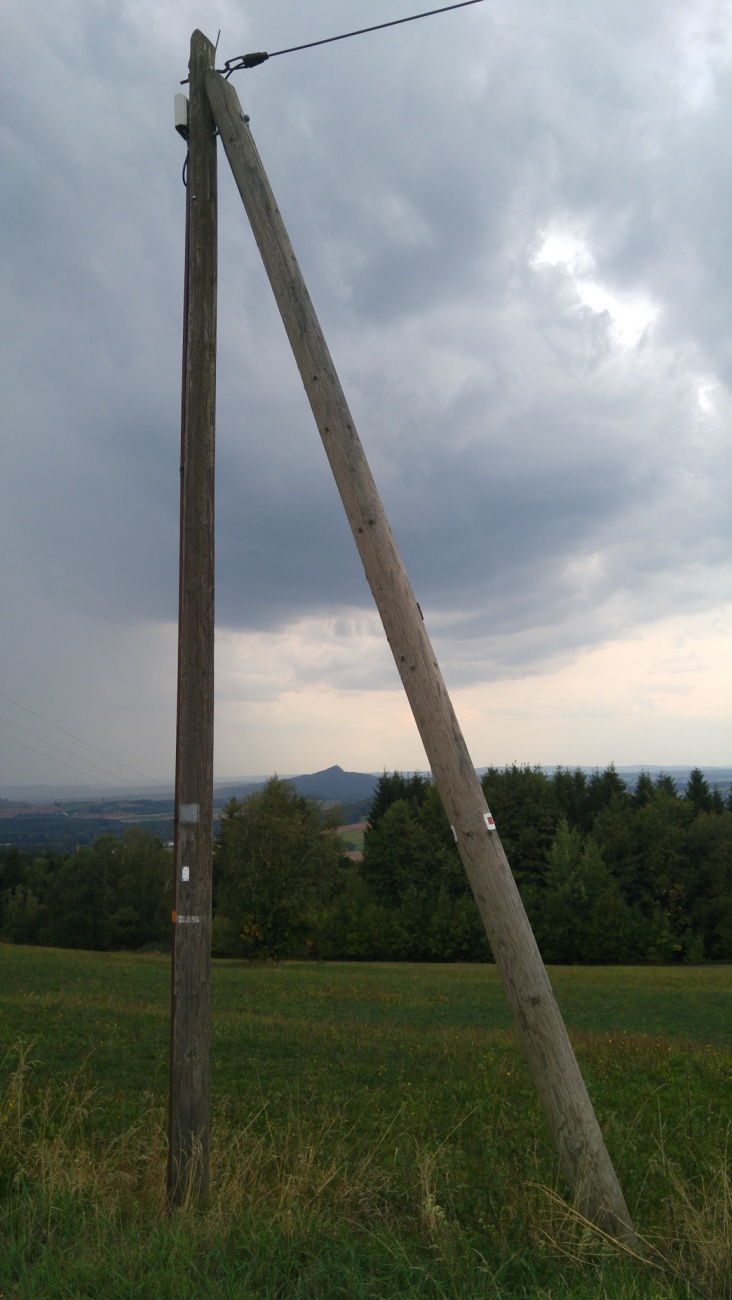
<point x="188" y="1133"/>
<point x="557" y="1076"/>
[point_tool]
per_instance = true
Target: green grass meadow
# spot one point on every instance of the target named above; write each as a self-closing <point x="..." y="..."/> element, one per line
<point x="375" y="1133"/>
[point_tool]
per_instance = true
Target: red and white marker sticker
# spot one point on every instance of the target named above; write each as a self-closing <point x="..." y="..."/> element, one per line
<point x="488" y="819"/>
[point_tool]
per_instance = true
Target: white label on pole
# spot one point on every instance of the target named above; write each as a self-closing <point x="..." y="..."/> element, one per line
<point x="488" y="819"/>
<point x="186" y="873"/>
<point x="189" y="920"/>
<point x="454" y="834"/>
<point x="188" y="814"/>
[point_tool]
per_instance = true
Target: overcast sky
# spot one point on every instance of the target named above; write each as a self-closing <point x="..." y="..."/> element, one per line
<point x="515" y="224"/>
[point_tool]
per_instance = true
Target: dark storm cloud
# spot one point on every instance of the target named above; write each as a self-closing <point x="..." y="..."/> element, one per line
<point x="538" y="473"/>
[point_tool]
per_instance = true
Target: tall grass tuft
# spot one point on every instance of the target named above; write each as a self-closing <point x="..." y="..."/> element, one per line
<point x="699" y="1225"/>
<point x="692" y="1247"/>
<point x="73" y="1189"/>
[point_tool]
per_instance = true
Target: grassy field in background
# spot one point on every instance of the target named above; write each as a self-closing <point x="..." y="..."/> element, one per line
<point x="352" y="835"/>
<point x="376" y="1132"/>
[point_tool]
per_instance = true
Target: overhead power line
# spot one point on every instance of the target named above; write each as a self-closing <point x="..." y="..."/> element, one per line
<point x="253" y="60"/>
<point x="79" y="741"/>
<point x="51" y="759"/>
<point x="88" y="761"/>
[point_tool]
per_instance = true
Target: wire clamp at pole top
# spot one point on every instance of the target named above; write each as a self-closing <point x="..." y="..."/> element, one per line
<point x="235" y="65"/>
<point x="242" y="61"/>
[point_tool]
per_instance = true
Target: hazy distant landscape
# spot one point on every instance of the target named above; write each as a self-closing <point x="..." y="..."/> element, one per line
<point x="66" y="816"/>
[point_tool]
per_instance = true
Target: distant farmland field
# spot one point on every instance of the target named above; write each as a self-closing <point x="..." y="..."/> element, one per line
<point x="352" y="835"/>
<point x="376" y="1132"/>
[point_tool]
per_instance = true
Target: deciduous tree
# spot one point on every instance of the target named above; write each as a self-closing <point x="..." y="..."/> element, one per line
<point x="276" y="865"/>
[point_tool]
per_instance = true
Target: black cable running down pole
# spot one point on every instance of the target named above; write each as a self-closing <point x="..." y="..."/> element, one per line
<point x="253" y="60"/>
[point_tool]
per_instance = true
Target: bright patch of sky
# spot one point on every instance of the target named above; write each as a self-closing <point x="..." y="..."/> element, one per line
<point x="630" y="314"/>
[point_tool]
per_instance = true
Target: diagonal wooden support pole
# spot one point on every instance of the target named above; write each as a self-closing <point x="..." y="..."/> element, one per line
<point x="557" y="1076"/>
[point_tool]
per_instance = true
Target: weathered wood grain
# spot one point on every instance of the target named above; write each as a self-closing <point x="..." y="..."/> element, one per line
<point x="188" y="1160"/>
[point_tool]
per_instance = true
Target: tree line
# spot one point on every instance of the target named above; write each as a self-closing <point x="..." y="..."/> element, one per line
<point x="112" y="894"/>
<point x="608" y="874"/>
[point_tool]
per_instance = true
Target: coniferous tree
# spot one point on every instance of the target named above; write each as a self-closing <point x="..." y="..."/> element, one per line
<point x="392" y="787"/>
<point x="580" y="914"/>
<point x="606" y="788"/>
<point x="667" y="784"/>
<point x="643" y="790"/>
<point x="526" y="811"/>
<point x="697" y="791"/>
<point x="571" y="793"/>
<point x="717" y="801"/>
